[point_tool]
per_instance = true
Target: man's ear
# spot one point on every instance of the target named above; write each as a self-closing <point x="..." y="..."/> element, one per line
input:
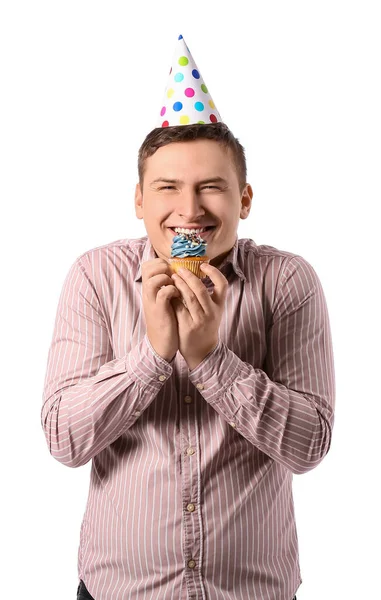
<point x="246" y="198"/>
<point x="138" y="202"/>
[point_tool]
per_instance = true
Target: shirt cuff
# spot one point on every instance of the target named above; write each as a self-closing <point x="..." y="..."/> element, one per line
<point x="214" y="375"/>
<point x="147" y="368"/>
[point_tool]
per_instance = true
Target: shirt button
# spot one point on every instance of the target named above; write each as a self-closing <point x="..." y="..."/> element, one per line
<point x="190" y="451"/>
<point x="191" y="507"/>
<point x="191" y="563"/>
<point x="188" y="399"/>
<point x="137" y="413"/>
<point x="162" y="378"/>
<point x="233" y="424"/>
<point x="200" y="386"/>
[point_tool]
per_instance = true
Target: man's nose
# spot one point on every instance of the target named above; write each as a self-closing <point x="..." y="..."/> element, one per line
<point x="189" y="206"/>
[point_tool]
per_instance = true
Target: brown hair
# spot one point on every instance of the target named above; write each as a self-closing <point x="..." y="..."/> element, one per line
<point x="161" y="136"/>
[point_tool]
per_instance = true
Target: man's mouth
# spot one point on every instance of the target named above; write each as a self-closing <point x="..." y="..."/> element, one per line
<point x="199" y="231"/>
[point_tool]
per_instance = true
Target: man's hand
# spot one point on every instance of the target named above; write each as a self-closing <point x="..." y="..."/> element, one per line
<point x="199" y="320"/>
<point x="157" y="292"/>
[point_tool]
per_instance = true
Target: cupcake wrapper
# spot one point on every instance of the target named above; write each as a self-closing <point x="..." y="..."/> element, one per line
<point x="191" y="263"/>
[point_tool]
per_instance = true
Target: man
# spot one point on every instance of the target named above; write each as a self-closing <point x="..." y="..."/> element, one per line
<point x="196" y="400"/>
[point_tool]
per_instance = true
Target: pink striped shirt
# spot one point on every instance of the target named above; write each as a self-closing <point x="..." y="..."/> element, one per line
<point x="190" y="491"/>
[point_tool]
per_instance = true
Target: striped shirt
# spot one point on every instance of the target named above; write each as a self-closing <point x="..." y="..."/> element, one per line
<point x="190" y="492"/>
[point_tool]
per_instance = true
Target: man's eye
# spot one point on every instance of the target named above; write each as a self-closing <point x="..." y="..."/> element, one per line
<point x="167" y="187"/>
<point x="211" y="187"/>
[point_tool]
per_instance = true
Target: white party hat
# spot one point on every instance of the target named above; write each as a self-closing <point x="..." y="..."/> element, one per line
<point x="186" y="99"/>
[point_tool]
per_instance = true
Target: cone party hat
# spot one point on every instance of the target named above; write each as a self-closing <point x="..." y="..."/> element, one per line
<point x="187" y="99"/>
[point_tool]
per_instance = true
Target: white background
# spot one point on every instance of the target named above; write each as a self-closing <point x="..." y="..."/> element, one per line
<point x="298" y="82"/>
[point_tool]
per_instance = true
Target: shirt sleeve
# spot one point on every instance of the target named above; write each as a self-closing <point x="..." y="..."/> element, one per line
<point x="285" y="409"/>
<point x="89" y="399"/>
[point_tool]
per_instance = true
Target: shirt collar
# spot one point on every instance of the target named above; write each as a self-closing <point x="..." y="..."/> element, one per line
<point x="230" y="259"/>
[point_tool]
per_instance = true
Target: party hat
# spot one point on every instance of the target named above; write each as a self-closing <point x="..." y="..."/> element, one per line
<point x="186" y="99"/>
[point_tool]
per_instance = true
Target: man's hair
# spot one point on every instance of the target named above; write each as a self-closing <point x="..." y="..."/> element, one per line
<point x="161" y="136"/>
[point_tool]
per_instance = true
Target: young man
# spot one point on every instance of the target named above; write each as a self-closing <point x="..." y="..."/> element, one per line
<point x="196" y="400"/>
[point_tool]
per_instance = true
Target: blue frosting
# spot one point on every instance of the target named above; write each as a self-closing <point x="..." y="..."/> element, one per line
<point x="183" y="246"/>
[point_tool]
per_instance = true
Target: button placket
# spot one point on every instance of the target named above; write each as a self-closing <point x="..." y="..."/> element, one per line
<point x="190" y="466"/>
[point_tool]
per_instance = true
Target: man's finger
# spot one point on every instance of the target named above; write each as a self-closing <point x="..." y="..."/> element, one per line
<point x="220" y="283"/>
<point x="196" y="300"/>
<point x="166" y="293"/>
<point x="194" y="290"/>
<point x="180" y="309"/>
<point x="153" y="284"/>
<point x="156" y="266"/>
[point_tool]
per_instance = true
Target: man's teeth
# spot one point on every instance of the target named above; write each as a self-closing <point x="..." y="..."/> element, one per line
<point x="183" y="230"/>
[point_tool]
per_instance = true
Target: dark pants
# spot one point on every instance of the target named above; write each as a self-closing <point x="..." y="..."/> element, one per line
<point x="83" y="594"/>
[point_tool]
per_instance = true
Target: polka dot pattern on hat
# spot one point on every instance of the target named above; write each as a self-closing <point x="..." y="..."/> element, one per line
<point x="187" y="99"/>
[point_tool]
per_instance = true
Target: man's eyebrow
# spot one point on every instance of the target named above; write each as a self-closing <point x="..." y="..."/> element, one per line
<point x="213" y="180"/>
<point x="165" y="180"/>
<point x="202" y="182"/>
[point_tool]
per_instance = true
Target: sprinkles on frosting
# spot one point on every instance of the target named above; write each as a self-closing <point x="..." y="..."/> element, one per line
<point x="187" y="99"/>
<point x="187" y="245"/>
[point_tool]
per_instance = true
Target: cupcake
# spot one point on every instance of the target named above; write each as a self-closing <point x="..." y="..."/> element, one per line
<point x="188" y="251"/>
